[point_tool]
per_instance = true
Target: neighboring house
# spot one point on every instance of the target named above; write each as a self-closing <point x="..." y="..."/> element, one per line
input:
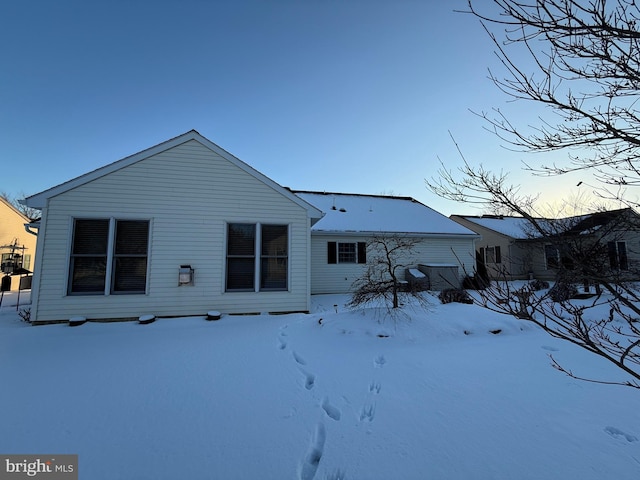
<point x="338" y="241"/>
<point x="17" y="248"/>
<point x="502" y="248"/>
<point x="511" y="248"/>
<point x="184" y="228"/>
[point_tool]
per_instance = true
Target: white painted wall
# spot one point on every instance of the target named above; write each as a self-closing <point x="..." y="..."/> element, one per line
<point x="188" y="193"/>
<point x="338" y="278"/>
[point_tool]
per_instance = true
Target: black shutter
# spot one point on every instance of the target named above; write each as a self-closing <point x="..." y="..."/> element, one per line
<point x="498" y="258"/>
<point x="332" y="250"/>
<point x="362" y="252"/>
<point x="622" y="256"/>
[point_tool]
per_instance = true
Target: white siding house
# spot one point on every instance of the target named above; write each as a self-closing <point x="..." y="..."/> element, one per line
<point x="185" y="228"/>
<point x="338" y="239"/>
<point x="111" y="243"/>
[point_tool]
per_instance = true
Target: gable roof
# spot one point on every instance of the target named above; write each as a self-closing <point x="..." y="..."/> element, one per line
<point x="519" y="228"/>
<point x="612" y="219"/>
<point x="354" y="213"/>
<point x="39" y="200"/>
<point x="11" y="208"/>
<point x="514" y="227"/>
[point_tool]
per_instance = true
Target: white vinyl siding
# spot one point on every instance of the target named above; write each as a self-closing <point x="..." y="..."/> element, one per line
<point x="190" y="194"/>
<point x="338" y="278"/>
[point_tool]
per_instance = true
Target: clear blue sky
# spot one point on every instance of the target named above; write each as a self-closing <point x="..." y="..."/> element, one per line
<point x="353" y="96"/>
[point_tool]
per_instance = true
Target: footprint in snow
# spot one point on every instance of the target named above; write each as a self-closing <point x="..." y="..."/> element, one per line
<point x="311" y="461"/>
<point x="331" y="411"/>
<point x="309" y="379"/>
<point x="551" y="349"/>
<point x="617" y="433"/>
<point x="379" y="361"/>
<point x="299" y="360"/>
<point x="375" y="387"/>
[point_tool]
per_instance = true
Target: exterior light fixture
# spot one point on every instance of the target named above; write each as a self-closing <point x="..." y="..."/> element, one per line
<point x="185" y="275"/>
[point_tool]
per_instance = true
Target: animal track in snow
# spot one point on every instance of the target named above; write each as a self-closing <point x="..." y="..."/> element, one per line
<point x="282" y="343"/>
<point x="379" y="361"/>
<point x="368" y="413"/>
<point x="331" y="411"/>
<point x="311" y="461"/>
<point x="375" y="387"/>
<point x="617" y="433"/>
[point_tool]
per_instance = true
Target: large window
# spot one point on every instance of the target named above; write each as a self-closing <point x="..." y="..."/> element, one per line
<point x="346" y="252"/>
<point x="108" y="256"/>
<point x="618" y="255"/>
<point x="271" y="266"/>
<point x="274" y="257"/>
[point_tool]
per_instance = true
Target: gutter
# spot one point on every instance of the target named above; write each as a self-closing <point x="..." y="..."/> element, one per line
<point x="29" y="226"/>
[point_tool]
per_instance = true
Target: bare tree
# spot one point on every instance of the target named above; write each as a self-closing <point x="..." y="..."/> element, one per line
<point x="581" y="59"/>
<point x="387" y="257"/>
<point x="30" y="213"/>
<point x="615" y="337"/>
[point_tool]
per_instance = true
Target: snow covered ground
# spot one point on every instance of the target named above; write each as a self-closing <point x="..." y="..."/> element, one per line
<point x="335" y="394"/>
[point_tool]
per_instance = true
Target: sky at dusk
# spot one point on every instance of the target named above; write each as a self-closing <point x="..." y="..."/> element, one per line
<point x="353" y="96"/>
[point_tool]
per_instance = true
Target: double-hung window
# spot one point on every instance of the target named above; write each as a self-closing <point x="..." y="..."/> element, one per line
<point x="257" y="251"/>
<point x="346" y="252"/>
<point x="108" y="256"/>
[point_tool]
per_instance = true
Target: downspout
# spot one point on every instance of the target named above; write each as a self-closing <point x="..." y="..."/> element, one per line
<point x="29" y="226"/>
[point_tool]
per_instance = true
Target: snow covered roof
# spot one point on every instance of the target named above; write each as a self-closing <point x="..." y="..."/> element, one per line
<point x="356" y="213"/>
<point x="520" y="228"/>
<point x="515" y="227"/>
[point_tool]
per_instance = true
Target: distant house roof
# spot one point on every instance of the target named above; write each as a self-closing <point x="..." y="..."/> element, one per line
<point x="356" y="213"/>
<point x="10" y="207"/>
<point x="519" y="228"/>
<point x="514" y="227"/>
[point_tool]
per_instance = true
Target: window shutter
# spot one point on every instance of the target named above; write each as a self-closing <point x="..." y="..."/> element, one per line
<point x="482" y="255"/>
<point x="498" y="257"/>
<point x="332" y="252"/>
<point x="362" y="252"/>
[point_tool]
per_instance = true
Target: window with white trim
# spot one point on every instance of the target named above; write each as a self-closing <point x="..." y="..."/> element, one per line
<point x="108" y="256"/>
<point x="346" y="252"/>
<point x="271" y="266"/>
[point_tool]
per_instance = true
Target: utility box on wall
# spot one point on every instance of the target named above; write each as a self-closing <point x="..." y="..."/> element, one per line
<point x="441" y="276"/>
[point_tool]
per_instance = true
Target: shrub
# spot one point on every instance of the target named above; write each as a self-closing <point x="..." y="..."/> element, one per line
<point x="25" y="315"/>
<point x="562" y="291"/>
<point x="457" y="295"/>
<point x="538" y="285"/>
